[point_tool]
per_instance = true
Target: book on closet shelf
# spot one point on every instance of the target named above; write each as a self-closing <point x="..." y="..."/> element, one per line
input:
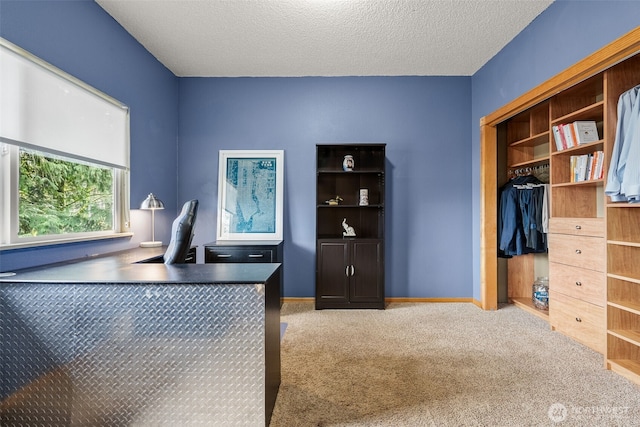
<point x="558" y="138"/>
<point x="567" y="131"/>
<point x="583" y="167"/>
<point x="591" y="167"/>
<point x="585" y="131"/>
<point x="599" y="162"/>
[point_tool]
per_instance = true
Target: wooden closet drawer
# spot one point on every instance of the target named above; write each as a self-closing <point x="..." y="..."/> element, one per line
<point x="579" y="251"/>
<point x="579" y="283"/>
<point x="579" y="320"/>
<point x="577" y="226"/>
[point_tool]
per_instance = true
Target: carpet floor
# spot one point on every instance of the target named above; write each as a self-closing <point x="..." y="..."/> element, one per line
<point x="442" y="364"/>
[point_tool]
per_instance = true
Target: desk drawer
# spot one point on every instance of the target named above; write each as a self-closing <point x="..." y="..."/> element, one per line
<point x="222" y="255"/>
<point x="579" y="251"/>
<point x="579" y="320"/>
<point x="579" y="283"/>
<point x="577" y="226"/>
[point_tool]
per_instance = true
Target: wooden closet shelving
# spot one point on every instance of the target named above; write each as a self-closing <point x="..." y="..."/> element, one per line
<point x="577" y="278"/>
<point x="588" y="256"/>
<point x="623" y="289"/>
<point x="623" y="250"/>
<point x="595" y="300"/>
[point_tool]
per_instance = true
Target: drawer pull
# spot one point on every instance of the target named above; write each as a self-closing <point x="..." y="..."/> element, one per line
<point x="224" y="255"/>
<point x="578" y="283"/>
<point x="578" y="227"/>
<point x="578" y="319"/>
<point x="256" y="256"/>
<point x="578" y="251"/>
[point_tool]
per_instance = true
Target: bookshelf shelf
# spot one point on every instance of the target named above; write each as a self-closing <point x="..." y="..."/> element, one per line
<point x="623" y="205"/>
<point x="630" y="306"/>
<point x="527" y="305"/>
<point x="590" y="112"/>
<point x="580" y="149"/>
<point x="531" y="163"/>
<point x="623" y="243"/>
<point x="592" y="182"/>
<point x="532" y="141"/>
<point x="628" y="368"/>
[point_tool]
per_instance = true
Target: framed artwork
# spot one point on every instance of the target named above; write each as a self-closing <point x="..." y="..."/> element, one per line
<point x="250" y="193"/>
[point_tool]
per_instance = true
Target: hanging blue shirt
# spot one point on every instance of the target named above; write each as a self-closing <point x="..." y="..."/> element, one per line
<point x="623" y="177"/>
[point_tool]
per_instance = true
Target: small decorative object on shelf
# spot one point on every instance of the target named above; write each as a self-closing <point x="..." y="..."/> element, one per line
<point x="540" y="294"/>
<point x="348" y="230"/>
<point x="364" y="197"/>
<point x="348" y="164"/>
<point x="334" y="202"/>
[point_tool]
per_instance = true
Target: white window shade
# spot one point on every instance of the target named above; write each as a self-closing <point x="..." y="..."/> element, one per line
<point x="44" y="108"/>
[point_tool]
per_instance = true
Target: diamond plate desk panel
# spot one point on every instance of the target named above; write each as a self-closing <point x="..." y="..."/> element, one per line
<point x="111" y="343"/>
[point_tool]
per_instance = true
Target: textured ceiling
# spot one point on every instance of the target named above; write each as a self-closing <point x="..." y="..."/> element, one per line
<point x="231" y="38"/>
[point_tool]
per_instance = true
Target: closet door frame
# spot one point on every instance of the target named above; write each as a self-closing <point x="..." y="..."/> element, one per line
<point x="613" y="53"/>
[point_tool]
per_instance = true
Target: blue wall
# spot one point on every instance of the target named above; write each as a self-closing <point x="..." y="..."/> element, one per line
<point x="423" y="120"/>
<point x="562" y="35"/>
<point x="80" y="38"/>
<point x="429" y="123"/>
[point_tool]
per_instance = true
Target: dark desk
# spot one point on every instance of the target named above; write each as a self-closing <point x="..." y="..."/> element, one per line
<point x="111" y="341"/>
<point x="246" y="251"/>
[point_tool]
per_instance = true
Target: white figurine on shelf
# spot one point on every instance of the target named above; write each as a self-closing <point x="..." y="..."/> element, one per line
<point x="348" y="230"/>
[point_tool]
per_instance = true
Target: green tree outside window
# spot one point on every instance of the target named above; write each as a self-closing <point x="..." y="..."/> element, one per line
<point x="59" y="196"/>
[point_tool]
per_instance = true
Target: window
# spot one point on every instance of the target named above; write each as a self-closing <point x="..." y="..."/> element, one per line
<point x="64" y="155"/>
<point x="57" y="197"/>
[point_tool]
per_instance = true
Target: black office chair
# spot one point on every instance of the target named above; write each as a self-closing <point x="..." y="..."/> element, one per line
<point x="182" y="234"/>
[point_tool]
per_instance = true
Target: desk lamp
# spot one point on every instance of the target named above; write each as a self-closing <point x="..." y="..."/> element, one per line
<point x="152" y="203"/>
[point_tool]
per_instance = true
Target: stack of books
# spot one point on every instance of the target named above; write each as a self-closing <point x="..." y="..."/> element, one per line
<point x="587" y="167"/>
<point x="570" y="135"/>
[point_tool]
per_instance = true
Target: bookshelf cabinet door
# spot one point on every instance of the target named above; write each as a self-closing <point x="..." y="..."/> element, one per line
<point x="366" y="282"/>
<point x="332" y="280"/>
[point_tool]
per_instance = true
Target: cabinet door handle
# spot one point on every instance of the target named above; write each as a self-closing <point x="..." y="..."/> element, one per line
<point x="353" y="270"/>
<point x="346" y="271"/>
<point x="256" y="256"/>
<point x="578" y="283"/>
<point x="578" y="227"/>
<point x="578" y="319"/>
<point x="224" y="255"/>
<point x="578" y="251"/>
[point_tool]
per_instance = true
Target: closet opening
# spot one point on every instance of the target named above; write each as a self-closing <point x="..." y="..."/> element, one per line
<point x="495" y="283"/>
<point x="522" y="177"/>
